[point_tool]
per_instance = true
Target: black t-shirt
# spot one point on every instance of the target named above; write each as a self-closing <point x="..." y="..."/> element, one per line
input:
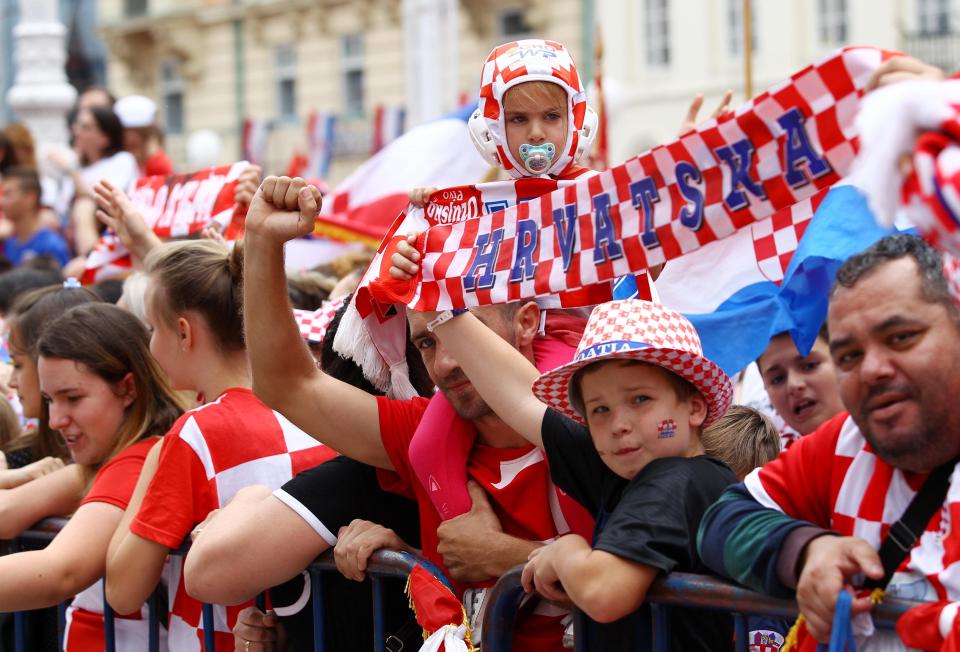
<point x="329" y="497"/>
<point x="651" y="519"/>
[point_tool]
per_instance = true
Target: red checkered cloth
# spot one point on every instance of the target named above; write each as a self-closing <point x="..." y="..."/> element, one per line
<point x="642" y="213"/>
<point x="920" y="121"/>
<point x="833" y="479"/>
<point x="174" y="206"/>
<point x="644" y="331"/>
<point x="313" y="324"/>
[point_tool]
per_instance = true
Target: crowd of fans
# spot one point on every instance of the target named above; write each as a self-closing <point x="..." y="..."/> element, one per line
<point x="599" y="449"/>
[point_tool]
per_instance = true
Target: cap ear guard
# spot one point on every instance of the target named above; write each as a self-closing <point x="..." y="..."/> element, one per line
<point x="483" y="139"/>
<point x="587" y="134"/>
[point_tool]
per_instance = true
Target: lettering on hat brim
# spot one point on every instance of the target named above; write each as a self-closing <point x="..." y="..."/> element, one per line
<point x="610" y="348"/>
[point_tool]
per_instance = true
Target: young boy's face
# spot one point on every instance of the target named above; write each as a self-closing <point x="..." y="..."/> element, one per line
<point x="803" y="389"/>
<point x="535" y="116"/>
<point x="635" y="416"/>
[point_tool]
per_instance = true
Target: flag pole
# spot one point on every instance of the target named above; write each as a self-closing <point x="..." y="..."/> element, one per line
<point x="747" y="50"/>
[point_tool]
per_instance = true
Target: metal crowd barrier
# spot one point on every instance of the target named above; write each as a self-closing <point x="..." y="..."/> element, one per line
<point x="384" y="564"/>
<point x="674" y="590"/>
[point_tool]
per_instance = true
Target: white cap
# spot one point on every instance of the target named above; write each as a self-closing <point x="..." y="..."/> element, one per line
<point x="135" y="111"/>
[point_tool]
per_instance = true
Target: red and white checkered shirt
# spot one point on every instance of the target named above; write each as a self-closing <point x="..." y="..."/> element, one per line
<point x="209" y="455"/>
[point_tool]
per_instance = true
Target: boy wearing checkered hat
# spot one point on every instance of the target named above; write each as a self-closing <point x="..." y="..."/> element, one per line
<point x="620" y="426"/>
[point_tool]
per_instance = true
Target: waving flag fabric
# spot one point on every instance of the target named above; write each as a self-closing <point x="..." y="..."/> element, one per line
<point x="365" y="205"/>
<point x="765" y="280"/>
<point x="174" y="206"/>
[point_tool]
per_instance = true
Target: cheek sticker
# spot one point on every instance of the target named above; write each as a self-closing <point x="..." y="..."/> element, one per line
<point x="667" y="429"/>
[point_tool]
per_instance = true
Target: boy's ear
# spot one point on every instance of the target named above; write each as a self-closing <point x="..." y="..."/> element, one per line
<point x="527" y="323"/>
<point x="698" y="409"/>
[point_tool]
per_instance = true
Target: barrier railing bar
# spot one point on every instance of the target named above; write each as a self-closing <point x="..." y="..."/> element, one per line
<point x="379" y="628"/>
<point x="109" y="633"/>
<point x="661" y="628"/>
<point x="741" y="632"/>
<point x="316" y="593"/>
<point x="209" y="631"/>
<point x="153" y="623"/>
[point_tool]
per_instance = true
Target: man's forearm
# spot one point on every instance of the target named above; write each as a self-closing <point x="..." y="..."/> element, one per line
<point x="277" y="354"/>
<point x="505" y="551"/>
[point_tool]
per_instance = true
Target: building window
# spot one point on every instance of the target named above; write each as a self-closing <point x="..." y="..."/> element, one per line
<point x="658" y="32"/>
<point x="832" y="21"/>
<point x="933" y="16"/>
<point x="134" y="8"/>
<point x="286" y="82"/>
<point x="513" y="25"/>
<point x="352" y="66"/>
<point x="171" y="95"/>
<point x="735" y="26"/>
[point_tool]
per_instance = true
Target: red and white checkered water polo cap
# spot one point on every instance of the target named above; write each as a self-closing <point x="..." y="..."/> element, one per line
<point x="313" y="324"/>
<point x="643" y="331"/>
<point x="524" y="61"/>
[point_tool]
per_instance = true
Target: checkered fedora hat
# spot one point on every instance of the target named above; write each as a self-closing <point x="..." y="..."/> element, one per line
<point x="313" y="324"/>
<point x="643" y="331"/>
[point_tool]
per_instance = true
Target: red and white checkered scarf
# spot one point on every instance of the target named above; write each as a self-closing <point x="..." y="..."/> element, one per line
<point x="786" y="146"/>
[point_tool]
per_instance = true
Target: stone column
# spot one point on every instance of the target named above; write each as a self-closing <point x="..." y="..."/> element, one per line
<point x="431" y="33"/>
<point x="41" y="95"/>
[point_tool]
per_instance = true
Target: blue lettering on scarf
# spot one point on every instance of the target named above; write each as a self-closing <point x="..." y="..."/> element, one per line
<point x="565" y="224"/>
<point x="488" y="248"/>
<point x="687" y="174"/>
<point x="527" y="238"/>
<point x="799" y="150"/>
<point x="644" y="195"/>
<point x="738" y="157"/>
<point x="605" y="247"/>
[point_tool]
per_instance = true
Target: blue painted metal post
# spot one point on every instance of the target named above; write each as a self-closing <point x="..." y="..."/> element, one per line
<point x="316" y="592"/>
<point x="209" y="630"/>
<point x="741" y="632"/>
<point x="19" y="632"/>
<point x="661" y="628"/>
<point x="109" y="634"/>
<point x="153" y="623"/>
<point x="379" y="627"/>
<point x="61" y="621"/>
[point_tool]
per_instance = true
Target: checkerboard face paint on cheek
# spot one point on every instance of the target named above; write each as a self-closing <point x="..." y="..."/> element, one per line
<point x="667" y="429"/>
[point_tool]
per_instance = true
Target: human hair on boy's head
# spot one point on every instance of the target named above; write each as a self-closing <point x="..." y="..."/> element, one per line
<point x="682" y="388"/>
<point x="336" y="366"/>
<point x="542" y="93"/>
<point x="200" y="276"/>
<point x="28" y="181"/>
<point x="743" y="439"/>
<point x="110" y="289"/>
<point x="111" y="343"/>
<point x="308" y="290"/>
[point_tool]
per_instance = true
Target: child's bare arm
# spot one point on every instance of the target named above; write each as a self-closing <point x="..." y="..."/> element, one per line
<point x="606" y="587"/>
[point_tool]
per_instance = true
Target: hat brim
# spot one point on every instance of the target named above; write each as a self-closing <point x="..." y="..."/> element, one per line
<point x="554" y="387"/>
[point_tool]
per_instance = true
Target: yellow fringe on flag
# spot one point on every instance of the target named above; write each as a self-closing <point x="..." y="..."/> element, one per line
<point x="426" y="634"/>
<point x="790" y="643"/>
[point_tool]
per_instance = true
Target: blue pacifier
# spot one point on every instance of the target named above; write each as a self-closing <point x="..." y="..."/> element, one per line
<point x="537" y="158"/>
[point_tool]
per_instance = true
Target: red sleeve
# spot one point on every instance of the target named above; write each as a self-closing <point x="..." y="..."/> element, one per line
<point x="799" y="480"/>
<point x="398" y="422"/>
<point x="116" y="480"/>
<point x="179" y="496"/>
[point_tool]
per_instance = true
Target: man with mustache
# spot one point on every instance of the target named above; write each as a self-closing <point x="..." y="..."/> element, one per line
<point x="813" y="519"/>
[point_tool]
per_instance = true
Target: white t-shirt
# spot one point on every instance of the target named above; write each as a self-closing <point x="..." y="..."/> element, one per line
<point x="121" y="170"/>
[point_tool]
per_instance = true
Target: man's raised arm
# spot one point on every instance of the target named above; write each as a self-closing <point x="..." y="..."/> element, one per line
<point x="285" y="375"/>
